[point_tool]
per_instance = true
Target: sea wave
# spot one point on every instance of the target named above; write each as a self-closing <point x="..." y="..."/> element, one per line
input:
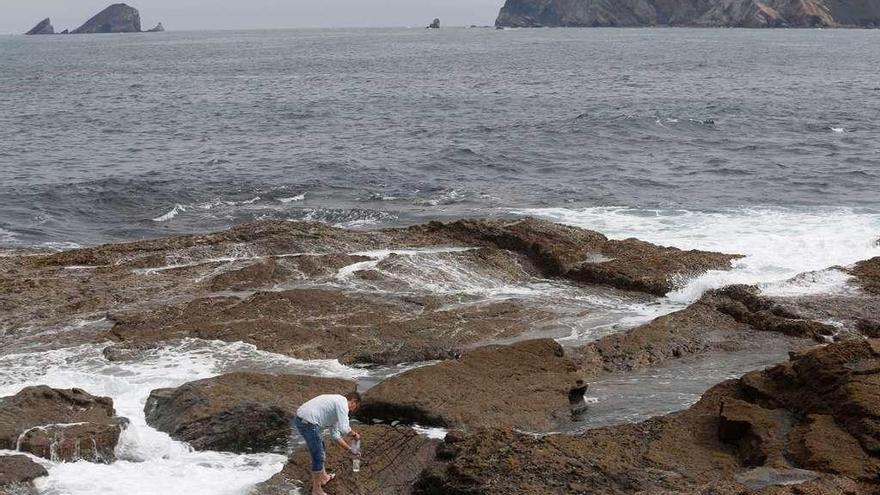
<point x="777" y="243"/>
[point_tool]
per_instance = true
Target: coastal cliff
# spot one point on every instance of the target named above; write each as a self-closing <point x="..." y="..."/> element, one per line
<point x="696" y="13"/>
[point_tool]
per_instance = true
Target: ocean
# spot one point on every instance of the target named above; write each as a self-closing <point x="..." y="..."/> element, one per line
<point x="764" y="143"/>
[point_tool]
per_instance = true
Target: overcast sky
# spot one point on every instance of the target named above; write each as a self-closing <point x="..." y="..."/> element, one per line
<point x="18" y="16"/>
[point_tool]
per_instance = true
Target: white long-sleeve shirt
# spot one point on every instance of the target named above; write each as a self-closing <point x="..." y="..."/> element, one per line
<point x="327" y="411"/>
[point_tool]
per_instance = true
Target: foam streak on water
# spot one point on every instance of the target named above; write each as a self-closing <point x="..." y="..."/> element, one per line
<point x="150" y="462"/>
<point x="778" y="243"/>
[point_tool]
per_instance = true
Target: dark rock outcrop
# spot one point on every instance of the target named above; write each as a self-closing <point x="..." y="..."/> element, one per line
<point x="16" y="474"/>
<point x="524" y="385"/>
<point x="435" y="24"/>
<point x="158" y="29"/>
<point x="703" y="13"/>
<point x="809" y="426"/>
<point x="61" y="425"/>
<point x="236" y="412"/>
<point x="44" y="27"/>
<point x="392" y="459"/>
<point x="117" y="18"/>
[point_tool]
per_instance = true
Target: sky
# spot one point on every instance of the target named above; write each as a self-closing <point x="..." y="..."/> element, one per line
<point x="18" y="16"/>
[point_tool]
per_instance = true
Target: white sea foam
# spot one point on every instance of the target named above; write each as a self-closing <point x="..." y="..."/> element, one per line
<point x="778" y="243"/>
<point x="300" y="197"/>
<point x="151" y="463"/>
<point x="178" y="209"/>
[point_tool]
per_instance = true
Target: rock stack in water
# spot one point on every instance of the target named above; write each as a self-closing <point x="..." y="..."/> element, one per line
<point x="117" y="18"/>
<point x="435" y="24"/>
<point x="44" y="27"/>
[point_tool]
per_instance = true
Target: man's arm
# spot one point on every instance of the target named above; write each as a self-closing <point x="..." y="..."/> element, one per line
<point x="342" y="428"/>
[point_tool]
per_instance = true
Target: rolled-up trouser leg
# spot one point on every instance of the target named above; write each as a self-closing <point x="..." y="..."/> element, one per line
<point x="312" y="435"/>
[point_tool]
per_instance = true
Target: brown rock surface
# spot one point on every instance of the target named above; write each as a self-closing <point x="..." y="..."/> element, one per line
<point x="75" y="294"/>
<point x="524" y="385"/>
<point x="236" y="412"/>
<point x="62" y="425"/>
<point x="18" y="470"/>
<point x="868" y="274"/>
<point x="318" y="323"/>
<point x="392" y="459"/>
<point x="812" y="413"/>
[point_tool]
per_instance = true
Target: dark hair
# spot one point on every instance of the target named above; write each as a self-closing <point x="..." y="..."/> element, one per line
<point x="353" y="396"/>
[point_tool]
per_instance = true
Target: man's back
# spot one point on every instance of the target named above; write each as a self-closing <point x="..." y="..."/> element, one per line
<point x="325" y="410"/>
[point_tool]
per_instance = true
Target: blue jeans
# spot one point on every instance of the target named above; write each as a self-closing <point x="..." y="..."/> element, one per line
<point x="312" y="435"/>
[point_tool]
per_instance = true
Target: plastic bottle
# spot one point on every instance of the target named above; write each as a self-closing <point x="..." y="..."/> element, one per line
<point x="356" y="450"/>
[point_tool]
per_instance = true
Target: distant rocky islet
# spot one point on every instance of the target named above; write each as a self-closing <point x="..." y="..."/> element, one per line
<point x="117" y="18"/>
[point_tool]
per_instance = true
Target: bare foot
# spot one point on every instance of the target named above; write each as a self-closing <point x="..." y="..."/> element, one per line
<point x="327" y="478"/>
<point x="317" y="490"/>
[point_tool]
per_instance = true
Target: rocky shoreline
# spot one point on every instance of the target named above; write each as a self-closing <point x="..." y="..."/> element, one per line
<point x="486" y="373"/>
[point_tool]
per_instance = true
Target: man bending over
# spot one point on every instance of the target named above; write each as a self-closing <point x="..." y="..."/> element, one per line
<point x="326" y="411"/>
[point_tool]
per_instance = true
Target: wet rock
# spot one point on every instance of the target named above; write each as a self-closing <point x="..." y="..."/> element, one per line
<point x="586" y="256"/>
<point x="435" y="24"/>
<point x="694" y="330"/>
<point x="16" y="474"/>
<point x="236" y="412"/>
<point x="392" y="459"/>
<point x="317" y="323"/>
<point x="61" y="425"/>
<point x="43" y="27"/>
<point x="524" y="385"/>
<point x="117" y="18"/>
<point x="747" y="305"/>
<point x="163" y="281"/>
<point x="772" y="420"/>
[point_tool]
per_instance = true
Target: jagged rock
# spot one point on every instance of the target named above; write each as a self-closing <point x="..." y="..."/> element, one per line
<point x="704" y="13"/>
<point x="61" y="425"/>
<point x="43" y="27"/>
<point x="16" y="474"/>
<point x="808" y="426"/>
<point x="392" y="459"/>
<point x="158" y="29"/>
<point x="524" y="385"/>
<point x="236" y="412"/>
<point x="66" y="31"/>
<point x="117" y="18"/>
<point x="435" y="24"/>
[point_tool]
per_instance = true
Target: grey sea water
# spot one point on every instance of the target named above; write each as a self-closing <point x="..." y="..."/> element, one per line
<point x="117" y="137"/>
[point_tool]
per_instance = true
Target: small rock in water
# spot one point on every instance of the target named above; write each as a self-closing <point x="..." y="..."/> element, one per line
<point x="435" y="24"/>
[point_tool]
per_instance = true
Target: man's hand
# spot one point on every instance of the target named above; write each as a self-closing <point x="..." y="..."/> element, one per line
<point x="355" y="435"/>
